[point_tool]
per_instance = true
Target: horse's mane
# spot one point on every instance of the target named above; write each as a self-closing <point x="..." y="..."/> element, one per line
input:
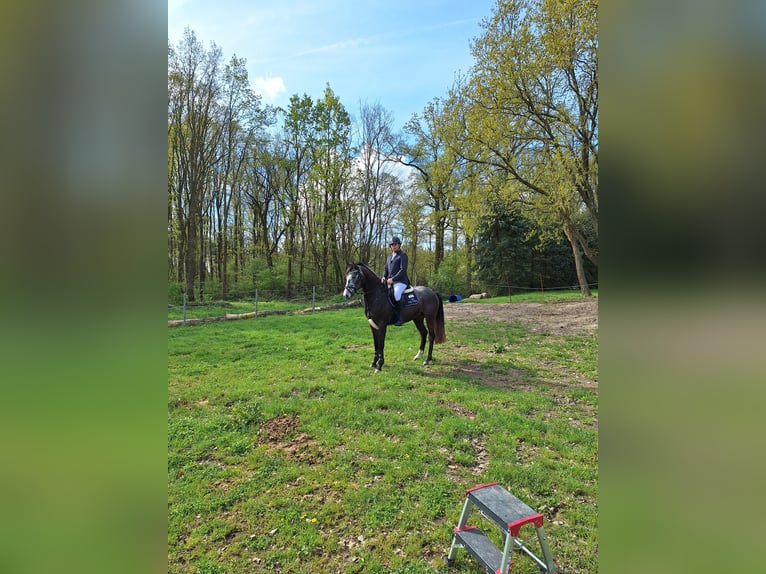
<point x="364" y="266"/>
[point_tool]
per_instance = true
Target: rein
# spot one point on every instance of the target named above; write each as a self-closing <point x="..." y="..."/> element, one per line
<point x="379" y="285"/>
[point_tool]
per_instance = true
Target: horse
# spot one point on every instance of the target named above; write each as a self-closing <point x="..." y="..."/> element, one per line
<point x="378" y="309"/>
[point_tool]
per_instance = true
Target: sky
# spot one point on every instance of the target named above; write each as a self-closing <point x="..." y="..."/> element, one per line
<point x="399" y="54"/>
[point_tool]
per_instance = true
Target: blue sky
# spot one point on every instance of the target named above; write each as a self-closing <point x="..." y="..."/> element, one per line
<point x="400" y="54"/>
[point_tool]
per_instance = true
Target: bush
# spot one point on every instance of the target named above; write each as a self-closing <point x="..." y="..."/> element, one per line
<point x="175" y="293"/>
<point x="450" y="278"/>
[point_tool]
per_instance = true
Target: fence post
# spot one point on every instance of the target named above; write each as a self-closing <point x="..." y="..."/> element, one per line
<point x="256" y="302"/>
<point x="313" y="297"/>
<point x="184" y="308"/>
<point x="542" y="291"/>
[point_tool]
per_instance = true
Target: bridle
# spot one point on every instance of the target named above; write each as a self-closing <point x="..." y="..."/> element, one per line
<point x="358" y="276"/>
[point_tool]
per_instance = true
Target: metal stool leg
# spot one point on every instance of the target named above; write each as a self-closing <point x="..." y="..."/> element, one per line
<point x="461" y="523"/>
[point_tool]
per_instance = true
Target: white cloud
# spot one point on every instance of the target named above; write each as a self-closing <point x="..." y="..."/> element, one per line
<point x="269" y="88"/>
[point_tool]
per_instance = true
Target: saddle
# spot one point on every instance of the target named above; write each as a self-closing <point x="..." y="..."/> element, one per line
<point x="409" y="297"/>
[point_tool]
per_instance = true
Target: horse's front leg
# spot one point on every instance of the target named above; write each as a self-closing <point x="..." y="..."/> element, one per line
<point x="379" y="337"/>
<point x="380" y="341"/>
<point x="374" y="364"/>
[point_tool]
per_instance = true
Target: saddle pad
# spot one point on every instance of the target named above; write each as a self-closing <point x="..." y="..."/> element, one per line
<point x="410" y="298"/>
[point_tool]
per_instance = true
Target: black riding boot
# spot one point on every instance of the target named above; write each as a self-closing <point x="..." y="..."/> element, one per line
<point x="397" y="318"/>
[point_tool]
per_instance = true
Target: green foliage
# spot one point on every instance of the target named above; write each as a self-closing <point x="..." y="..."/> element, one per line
<point x="513" y="252"/>
<point x="450" y="277"/>
<point x="245" y="414"/>
<point x="529" y="109"/>
<point x="175" y="293"/>
<point x="258" y="275"/>
<point x="504" y="251"/>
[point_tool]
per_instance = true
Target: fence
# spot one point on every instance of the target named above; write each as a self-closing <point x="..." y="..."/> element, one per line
<point x="306" y="305"/>
<point x="294" y="307"/>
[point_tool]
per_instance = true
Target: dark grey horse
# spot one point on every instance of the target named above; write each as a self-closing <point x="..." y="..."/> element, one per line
<point x="378" y="309"/>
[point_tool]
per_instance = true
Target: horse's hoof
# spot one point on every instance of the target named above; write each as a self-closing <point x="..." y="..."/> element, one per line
<point x="416" y="357"/>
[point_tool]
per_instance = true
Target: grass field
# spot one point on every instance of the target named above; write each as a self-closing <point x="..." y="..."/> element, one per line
<point x="287" y="453"/>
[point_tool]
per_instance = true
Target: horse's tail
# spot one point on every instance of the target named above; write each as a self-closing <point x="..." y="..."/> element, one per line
<point x="440" y="336"/>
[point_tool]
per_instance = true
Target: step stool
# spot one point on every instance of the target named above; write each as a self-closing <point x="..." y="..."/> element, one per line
<point x="509" y="514"/>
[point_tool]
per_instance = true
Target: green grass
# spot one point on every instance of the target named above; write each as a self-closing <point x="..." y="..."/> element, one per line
<point x="286" y="452"/>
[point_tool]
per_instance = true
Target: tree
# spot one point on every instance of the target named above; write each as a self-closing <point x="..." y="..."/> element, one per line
<point x="504" y="249"/>
<point x="329" y="176"/>
<point x="298" y="137"/>
<point x="376" y="188"/>
<point x="414" y="216"/>
<point x="270" y="176"/>
<point x="195" y="126"/>
<point x="530" y="110"/>
<point x="243" y="121"/>
<point x="436" y="165"/>
<point x="513" y="251"/>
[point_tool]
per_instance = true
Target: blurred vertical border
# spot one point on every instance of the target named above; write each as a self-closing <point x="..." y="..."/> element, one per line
<point x="82" y="287"/>
<point x="682" y="324"/>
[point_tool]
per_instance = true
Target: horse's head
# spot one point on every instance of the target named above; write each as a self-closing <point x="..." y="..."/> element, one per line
<point x="354" y="280"/>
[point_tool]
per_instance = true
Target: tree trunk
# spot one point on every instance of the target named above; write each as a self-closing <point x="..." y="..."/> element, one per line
<point x="192" y="250"/>
<point x="468" y="262"/>
<point x="439" y="248"/>
<point x="581" y="278"/>
<point x="290" y="255"/>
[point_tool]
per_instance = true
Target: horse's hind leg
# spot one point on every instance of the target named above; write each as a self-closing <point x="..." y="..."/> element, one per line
<point x="423" y="333"/>
<point x="381" y="344"/>
<point x="431" y="335"/>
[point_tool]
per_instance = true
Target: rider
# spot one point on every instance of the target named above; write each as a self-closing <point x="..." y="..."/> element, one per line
<point x="395" y="274"/>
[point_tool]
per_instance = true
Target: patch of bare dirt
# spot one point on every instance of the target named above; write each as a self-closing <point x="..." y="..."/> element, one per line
<point x="480" y="462"/>
<point x="277" y="428"/>
<point x="458" y="409"/>
<point x="279" y="433"/>
<point x="525" y="452"/>
<point x="575" y="317"/>
<point x="583" y="414"/>
<point x="510" y="377"/>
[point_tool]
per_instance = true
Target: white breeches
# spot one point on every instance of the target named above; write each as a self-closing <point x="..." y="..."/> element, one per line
<point x="398" y="290"/>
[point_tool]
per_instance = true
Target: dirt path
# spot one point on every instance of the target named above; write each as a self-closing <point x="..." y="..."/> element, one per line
<point x="576" y="317"/>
